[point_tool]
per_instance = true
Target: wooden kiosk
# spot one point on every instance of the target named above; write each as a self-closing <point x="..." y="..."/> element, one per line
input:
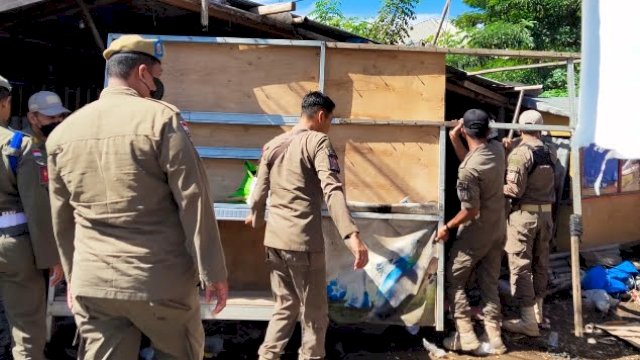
<point x="236" y="94"/>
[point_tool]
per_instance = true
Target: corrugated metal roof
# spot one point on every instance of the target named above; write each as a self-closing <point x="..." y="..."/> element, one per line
<point x="560" y="106"/>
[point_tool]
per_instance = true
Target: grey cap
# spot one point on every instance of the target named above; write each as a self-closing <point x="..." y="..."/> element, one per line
<point x="47" y="103"/>
<point x="5" y="83"/>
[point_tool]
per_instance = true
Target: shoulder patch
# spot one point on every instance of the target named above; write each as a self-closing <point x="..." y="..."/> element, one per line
<point x="38" y="157"/>
<point x="334" y="164"/>
<point x="185" y="127"/>
<point x="44" y="175"/>
<point x="166" y="104"/>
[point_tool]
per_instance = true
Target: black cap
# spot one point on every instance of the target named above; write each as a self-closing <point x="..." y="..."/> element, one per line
<point x="476" y="122"/>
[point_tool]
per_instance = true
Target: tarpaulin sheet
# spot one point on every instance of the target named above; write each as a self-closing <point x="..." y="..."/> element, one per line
<point x="608" y="79"/>
<point x="398" y="286"/>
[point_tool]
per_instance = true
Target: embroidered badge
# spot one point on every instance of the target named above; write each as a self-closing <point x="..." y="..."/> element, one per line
<point x="44" y="175"/>
<point x="39" y="159"/>
<point x="463" y="191"/>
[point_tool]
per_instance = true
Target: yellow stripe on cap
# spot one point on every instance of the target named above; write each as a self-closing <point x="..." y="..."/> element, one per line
<point x="135" y="43"/>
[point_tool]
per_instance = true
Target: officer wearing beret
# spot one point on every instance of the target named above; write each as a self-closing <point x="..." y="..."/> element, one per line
<point x="26" y="236"/>
<point x="481" y="231"/>
<point x="132" y="215"/>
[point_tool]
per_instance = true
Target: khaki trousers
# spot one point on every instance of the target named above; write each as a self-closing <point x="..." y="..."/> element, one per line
<point x="111" y="329"/>
<point x="528" y="238"/>
<point x="484" y="256"/>
<point x="299" y="286"/>
<point x="23" y="288"/>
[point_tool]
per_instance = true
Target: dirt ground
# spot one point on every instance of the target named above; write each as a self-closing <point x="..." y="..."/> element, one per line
<point x="242" y="339"/>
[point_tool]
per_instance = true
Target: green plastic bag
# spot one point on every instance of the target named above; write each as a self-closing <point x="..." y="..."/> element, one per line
<point x="243" y="192"/>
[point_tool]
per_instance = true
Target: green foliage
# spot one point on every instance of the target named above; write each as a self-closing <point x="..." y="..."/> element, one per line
<point x="394" y="21"/>
<point x="390" y="26"/>
<point x="552" y="25"/>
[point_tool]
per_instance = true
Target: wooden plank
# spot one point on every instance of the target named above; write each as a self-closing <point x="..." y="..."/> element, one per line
<point x="239" y="78"/>
<point x="474" y="95"/>
<point x="276" y="8"/>
<point x="224" y="177"/>
<point x="473" y="52"/>
<point x="488" y="93"/>
<point x="245" y="256"/>
<point x="7" y="5"/>
<point x="380" y="164"/>
<point x="380" y="85"/>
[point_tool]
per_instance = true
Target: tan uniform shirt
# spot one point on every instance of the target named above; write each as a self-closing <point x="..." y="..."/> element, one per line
<point x="480" y="182"/>
<point x="27" y="192"/>
<point x="536" y="188"/>
<point x="298" y="179"/>
<point x="127" y="184"/>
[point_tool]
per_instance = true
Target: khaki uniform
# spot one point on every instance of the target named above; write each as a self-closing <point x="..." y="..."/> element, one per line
<point x="480" y="242"/>
<point x="134" y="225"/>
<point x="303" y="174"/>
<point x="530" y="224"/>
<point x="25" y="248"/>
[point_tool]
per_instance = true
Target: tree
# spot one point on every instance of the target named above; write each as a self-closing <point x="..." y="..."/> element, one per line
<point x="552" y="25"/>
<point x="390" y="26"/>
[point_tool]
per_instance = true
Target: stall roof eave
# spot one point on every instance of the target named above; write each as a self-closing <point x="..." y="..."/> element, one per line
<point x="560" y="106"/>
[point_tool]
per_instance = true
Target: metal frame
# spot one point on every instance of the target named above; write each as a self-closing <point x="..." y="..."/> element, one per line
<point x="441" y="252"/>
<point x="238" y="212"/>
<point x="214" y="152"/>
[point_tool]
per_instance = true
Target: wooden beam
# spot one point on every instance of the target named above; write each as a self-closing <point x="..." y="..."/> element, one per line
<point x="92" y="25"/>
<point x="276" y="8"/>
<point x="474" y="95"/>
<point x="249" y="19"/>
<point x="7" y="5"/>
<point x="488" y="93"/>
<point x="519" y="67"/>
<point x="471" y="52"/>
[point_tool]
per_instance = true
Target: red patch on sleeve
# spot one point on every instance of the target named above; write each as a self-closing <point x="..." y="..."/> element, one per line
<point x="44" y="175"/>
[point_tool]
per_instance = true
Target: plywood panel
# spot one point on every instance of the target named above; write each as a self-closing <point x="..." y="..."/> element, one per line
<point x="244" y="252"/>
<point x="234" y="135"/>
<point x="607" y="220"/>
<point x="370" y="84"/>
<point x="611" y="219"/>
<point x="239" y="78"/>
<point x="224" y="176"/>
<point x="380" y="164"/>
<point x="384" y="164"/>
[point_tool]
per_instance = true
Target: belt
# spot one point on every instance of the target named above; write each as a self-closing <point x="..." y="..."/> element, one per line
<point x="546" y="208"/>
<point x="12" y="219"/>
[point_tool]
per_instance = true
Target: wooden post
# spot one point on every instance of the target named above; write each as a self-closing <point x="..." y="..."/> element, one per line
<point x="204" y="15"/>
<point x="277" y="8"/>
<point x="576" y="219"/>
<point x="516" y="112"/>
<point x="445" y="10"/>
<point x="92" y="25"/>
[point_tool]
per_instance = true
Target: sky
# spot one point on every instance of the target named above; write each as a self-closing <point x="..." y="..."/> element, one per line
<point x="368" y="8"/>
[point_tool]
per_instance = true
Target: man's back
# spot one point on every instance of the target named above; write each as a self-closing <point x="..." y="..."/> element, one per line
<point x="484" y="168"/>
<point x="129" y="240"/>
<point x="296" y="184"/>
<point x="531" y="173"/>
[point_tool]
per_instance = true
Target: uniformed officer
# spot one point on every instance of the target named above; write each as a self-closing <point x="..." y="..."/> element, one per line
<point x="481" y="234"/>
<point x="530" y="184"/>
<point x="26" y="236"/>
<point x="45" y="113"/>
<point x="132" y="215"/>
<point x="300" y="169"/>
